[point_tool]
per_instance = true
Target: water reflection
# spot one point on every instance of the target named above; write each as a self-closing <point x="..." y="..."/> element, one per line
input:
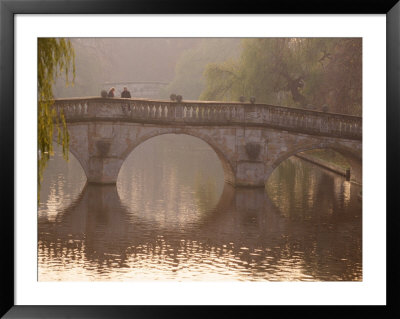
<point x="195" y="227"/>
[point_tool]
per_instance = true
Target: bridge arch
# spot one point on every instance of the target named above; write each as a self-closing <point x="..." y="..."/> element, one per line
<point x="77" y="155"/>
<point x="105" y="131"/>
<point x="221" y="152"/>
<point x="80" y="160"/>
<point x="353" y="157"/>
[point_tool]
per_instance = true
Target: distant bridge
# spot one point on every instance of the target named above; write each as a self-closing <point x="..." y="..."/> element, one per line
<point x="251" y="140"/>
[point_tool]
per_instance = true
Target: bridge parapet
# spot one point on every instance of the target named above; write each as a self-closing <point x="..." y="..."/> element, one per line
<point x="211" y="113"/>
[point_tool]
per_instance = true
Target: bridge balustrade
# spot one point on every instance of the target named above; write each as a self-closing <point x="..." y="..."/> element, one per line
<point x="211" y="113"/>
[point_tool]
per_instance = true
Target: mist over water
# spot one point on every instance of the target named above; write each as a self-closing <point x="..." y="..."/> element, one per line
<point x="171" y="217"/>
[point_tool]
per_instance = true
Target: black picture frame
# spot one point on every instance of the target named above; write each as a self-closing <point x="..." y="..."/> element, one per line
<point x="8" y="9"/>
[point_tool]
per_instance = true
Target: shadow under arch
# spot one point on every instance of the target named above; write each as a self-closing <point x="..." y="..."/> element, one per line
<point x="227" y="164"/>
<point x="353" y="158"/>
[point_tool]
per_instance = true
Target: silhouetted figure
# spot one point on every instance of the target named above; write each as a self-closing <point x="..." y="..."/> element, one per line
<point x="111" y="92"/>
<point x="103" y="93"/>
<point x="125" y="93"/>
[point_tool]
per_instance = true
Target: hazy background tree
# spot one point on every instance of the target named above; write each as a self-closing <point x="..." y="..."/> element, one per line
<point x="101" y="60"/>
<point x="297" y="72"/>
<point x="55" y="57"/>
<point x="178" y="61"/>
<point x="189" y="80"/>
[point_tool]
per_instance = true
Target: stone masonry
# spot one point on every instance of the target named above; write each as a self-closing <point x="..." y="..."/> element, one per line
<point x="250" y="140"/>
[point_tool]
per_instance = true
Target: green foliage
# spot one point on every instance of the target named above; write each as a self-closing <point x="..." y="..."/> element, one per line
<point x="189" y="80"/>
<point x="298" y="72"/>
<point x="225" y="81"/>
<point x="55" y="57"/>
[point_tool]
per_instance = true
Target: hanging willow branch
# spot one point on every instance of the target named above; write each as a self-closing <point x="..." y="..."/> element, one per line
<point x="56" y="56"/>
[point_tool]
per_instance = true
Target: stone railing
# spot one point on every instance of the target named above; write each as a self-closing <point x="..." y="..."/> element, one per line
<point x="210" y="113"/>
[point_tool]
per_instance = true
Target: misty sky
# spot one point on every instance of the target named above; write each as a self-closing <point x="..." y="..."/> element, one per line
<point x="100" y="60"/>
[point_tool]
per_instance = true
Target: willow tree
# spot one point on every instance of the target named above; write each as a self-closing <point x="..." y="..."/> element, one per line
<point x="189" y="80"/>
<point x="266" y="69"/>
<point x="297" y="72"/>
<point x="55" y="57"/>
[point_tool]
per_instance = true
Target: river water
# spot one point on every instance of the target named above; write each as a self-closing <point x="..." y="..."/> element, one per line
<point x="171" y="217"/>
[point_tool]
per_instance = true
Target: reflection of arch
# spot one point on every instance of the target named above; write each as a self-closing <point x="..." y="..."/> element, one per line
<point x="353" y="156"/>
<point x="110" y="241"/>
<point x="91" y="225"/>
<point x="100" y="205"/>
<point x="227" y="164"/>
<point x="98" y="217"/>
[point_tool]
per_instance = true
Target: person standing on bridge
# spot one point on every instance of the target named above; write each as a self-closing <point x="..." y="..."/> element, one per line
<point x="111" y="92"/>
<point x="125" y="93"/>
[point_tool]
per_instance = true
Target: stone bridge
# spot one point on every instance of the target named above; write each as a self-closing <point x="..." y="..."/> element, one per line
<point x="251" y="140"/>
